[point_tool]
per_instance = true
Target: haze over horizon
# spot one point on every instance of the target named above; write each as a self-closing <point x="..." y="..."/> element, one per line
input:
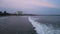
<point x="31" y="6"/>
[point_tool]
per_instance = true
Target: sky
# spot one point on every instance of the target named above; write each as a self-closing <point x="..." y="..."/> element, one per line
<point x="31" y="6"/>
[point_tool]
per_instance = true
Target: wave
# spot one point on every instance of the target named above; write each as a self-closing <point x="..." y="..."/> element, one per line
<point x="43" y="28"/>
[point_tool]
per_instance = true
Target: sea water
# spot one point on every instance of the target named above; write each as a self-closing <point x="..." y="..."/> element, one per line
<point x="43" y="27"/>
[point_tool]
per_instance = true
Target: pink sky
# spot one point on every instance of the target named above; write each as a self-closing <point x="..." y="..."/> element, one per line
<point x="27" y="4"/>
<point x="31" y="6"/>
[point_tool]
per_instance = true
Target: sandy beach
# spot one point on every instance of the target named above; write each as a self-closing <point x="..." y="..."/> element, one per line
<point x="16" y="25"/>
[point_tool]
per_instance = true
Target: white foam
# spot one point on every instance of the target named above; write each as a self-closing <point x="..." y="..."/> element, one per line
<point x="42" y="28"/>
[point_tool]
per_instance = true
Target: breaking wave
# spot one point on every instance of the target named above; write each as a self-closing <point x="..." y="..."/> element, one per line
<point x="43" y="28"/>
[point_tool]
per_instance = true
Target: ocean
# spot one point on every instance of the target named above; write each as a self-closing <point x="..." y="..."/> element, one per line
<point x="45" y="24"/>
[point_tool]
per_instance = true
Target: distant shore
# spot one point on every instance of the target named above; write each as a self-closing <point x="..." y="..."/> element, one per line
<point x="25" y="15"/>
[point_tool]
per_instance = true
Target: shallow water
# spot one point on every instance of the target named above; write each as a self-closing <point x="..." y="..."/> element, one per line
<point x="46" y="24"/>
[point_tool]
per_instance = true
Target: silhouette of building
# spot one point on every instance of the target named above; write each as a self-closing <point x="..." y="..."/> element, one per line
<point x="0" y="12"/>
<point x="5" y="12"/>
<point x="19" y="12"/>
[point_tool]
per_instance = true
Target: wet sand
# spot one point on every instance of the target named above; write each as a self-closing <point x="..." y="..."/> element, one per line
<point x="16" y="25"/>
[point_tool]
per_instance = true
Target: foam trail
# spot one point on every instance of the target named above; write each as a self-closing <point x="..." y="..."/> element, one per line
<point x="42" y="28"/>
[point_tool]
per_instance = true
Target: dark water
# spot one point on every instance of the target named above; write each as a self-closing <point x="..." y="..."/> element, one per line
<point x="46" y="24"/>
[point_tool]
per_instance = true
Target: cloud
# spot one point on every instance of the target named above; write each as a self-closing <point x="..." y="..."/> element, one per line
<point x="26" y="4"/>
<point x="39" y="3"/>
